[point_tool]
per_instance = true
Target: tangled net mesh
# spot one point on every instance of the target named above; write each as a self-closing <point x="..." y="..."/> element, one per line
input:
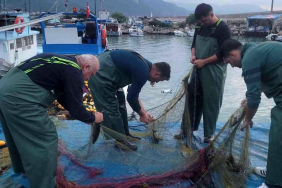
<point x="161" y="160"/>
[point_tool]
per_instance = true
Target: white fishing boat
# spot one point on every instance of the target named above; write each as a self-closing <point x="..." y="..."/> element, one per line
<point x="179" y="33"/>
<point x="17" y="41"/>
<point x="274" y="37"/>
<point x="135" y="31"/>
<point x="191" y="33"/>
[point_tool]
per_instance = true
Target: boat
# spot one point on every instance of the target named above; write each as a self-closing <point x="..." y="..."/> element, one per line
<point x="274" y="37"/>
<point x="113" y="29"/>
<point x="17" y="41"/>
<point x="136" y="31"/>
<point x="179" y="33"/>
<point x="268" y="37"/>
<point x="191" y="33"/>
<point x="76" y="33"/>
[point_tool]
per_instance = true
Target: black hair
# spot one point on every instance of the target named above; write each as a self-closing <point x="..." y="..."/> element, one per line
<point x="164" y="69"/>
<point x="202" y="10"/>
<point x="228" y="46"/>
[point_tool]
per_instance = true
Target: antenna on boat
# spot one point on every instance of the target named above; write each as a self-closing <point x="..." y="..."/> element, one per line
<point x="29" y="8"/>
<point x="66" y="5"/>
<point x="5" y="12"/>
<point x="5" y="17"/>
<point x="272" y="6"/>
<point x="101" y="4"/>
<point x="29" y="14"/>
<point x="56" y="6"/>
<point x="95" y="1"/>
<point x="0" y="6"/>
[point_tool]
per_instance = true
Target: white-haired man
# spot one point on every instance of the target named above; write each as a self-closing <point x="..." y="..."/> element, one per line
<point x="25" y="93"/>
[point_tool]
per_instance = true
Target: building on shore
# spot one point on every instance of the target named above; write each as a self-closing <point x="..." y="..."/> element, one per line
<point x="262" y="25"/>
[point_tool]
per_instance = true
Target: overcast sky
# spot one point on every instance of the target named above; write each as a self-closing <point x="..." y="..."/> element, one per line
<point x="265" y="4"/>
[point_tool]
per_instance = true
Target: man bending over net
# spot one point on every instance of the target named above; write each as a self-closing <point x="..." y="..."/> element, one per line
<point x="262" y="72"/>
<point x="119" y="68"/>
<point x="25" y="92"/>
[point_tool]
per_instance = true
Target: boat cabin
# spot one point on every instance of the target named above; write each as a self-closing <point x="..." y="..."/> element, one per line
<point x="17" y="45"/>
<point x="72" y="34"/>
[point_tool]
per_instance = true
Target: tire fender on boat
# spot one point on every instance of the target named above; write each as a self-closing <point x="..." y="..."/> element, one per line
<point x="19" y="20"/>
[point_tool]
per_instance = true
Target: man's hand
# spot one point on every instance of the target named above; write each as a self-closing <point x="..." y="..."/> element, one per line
<point x="151" y="117"/>
<point x="193" y="59"/>
<point x="246" y="124"/>
<point x="244" y="102"/>
<point x="98" y="117"/>
<point x="199" y="63"/>
<point x="146" y="118"/>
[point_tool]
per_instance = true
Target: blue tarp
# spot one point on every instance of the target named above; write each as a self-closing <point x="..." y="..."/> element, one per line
<point x="76" y="136"/>
<point x="264" y="17"/>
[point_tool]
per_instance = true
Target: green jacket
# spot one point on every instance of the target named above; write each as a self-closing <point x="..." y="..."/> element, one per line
<point x="262" y="70"/>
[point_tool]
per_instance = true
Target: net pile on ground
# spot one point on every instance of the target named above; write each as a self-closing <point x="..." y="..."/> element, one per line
<point x="59" y="111"/>
<point x="161" y="160"/>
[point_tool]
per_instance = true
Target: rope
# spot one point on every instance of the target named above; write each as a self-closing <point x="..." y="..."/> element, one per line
<point x="56" y="3"/>
<point x="195" y="102"/>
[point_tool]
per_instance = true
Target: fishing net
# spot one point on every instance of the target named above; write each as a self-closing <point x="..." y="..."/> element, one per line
<point x="161" y="160"/>
<point x="5" y="161"/>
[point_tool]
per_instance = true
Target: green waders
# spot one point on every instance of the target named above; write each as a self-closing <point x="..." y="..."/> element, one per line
<point x="210" y="82"/>
<point x="108" y="96"/>
<point x="31" y="135"/>
<point x="123" y="110"/>
<point x="274" y="162"/>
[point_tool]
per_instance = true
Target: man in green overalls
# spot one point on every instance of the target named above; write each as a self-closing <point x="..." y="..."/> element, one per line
<point x="262" y="72"/>
<point x="26" y="91"/>
<point x="206" y="84"/>
<point x="119" y="68"/>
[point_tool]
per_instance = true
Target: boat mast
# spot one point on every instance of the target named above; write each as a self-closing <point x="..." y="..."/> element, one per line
<point x="101" y="4"/>
<point x="272" y="6"/>
<point x="5" y="17"/>
<point x="29" y="15"/>
<point x="95" y="1"/>
<point x="5" y="12"/>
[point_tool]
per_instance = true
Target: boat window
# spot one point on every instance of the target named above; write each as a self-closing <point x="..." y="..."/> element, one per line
<point x="19" y="43"/>
<point x="26" y="40"/>
<point x="30" y="40"/>
<point x="12" y="46"/>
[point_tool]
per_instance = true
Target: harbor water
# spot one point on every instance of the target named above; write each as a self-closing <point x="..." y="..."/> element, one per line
<point x="177" y="51"/>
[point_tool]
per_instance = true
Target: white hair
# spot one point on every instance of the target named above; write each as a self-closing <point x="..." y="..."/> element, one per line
<point x="88" y="58"/>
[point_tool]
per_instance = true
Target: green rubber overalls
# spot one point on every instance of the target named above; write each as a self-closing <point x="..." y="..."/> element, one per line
<point x="209" y="81"/>
<point x="30" y="134"/>
<point x="108" y="95"/>
<point x="274" y="163"/>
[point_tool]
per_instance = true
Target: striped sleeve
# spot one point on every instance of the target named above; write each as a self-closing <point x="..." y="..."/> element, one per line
<point x="252" y="78"/>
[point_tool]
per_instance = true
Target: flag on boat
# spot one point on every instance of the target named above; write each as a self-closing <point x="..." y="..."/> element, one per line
<point x="66" y="3"/>
<point x="87" y="11"/>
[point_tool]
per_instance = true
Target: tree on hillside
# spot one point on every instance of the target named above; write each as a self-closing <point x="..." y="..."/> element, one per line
<point x="191" y="20"/>
<point x="119" y="17"/>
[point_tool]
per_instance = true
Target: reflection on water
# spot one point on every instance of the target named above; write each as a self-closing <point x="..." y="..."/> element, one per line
<point x="176" y="51"/>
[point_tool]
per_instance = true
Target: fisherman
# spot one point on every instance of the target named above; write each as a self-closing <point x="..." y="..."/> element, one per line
<point x="119" y="68"/>
<point x="210" y="71"/>
<point x="262" y="72"/>
<point x="25" y="93"/>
